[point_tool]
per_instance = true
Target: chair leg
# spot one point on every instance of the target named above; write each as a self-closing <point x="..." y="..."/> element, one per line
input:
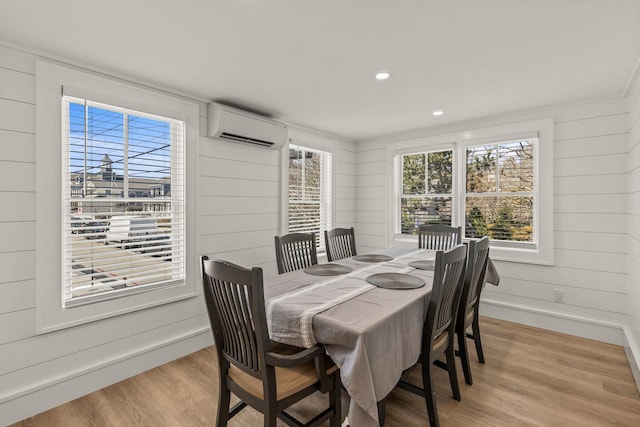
<point x="270" y="411"/>
<point x="335" y="400"/>
<point x="270" y="415"/>
<point x="453" y="373"/>
<point x="224" y="396"/>
<point x="382" y="412"/>
<point x="429" y="395"/>
<point x="464" y="358"/>
<point x="476" y="338"/>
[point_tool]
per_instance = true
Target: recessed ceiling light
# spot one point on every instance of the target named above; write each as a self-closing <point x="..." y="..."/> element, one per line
<point x="438" y="113"/>
<point x="383" y="75"/>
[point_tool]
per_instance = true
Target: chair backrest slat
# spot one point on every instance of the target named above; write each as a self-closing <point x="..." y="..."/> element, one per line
<point x="340" y="243"/>
<point x="438" y="237"/>
<point x="295" y="251"/>
<point x="235" y="303"/>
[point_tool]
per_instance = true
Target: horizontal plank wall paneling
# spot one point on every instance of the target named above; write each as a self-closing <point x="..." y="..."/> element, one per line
<point x="17" y="266"/>
<point x="345" y="187"/>
<point x="17" y="296"/>
<point x="633" y="223"/>
<point x="590" y="221"/>
<point x="41" y="371"/>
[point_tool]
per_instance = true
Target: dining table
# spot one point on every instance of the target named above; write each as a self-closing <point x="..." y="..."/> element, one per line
<point x="371" y="333"/>
<point x="368" y="311"/>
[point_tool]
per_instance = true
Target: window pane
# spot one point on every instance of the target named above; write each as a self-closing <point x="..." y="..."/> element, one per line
<point x="515" y="160"/>
<point x="95" y="153"/>
<point x="440" y="172"/>
<point x="312" y="175"/>
<point x="500" y="218"/>
<point x="424" y="210"/>
<point x="149" y="154"/>
<point x="481" y="169"/>
<point x="413" y="174"/>
<point x="295" y="173"/>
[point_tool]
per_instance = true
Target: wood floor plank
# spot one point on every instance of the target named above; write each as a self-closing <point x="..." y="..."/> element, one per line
<point x="532" y="377"/>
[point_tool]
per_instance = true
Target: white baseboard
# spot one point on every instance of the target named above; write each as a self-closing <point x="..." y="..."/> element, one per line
<point x="46" y="395"/>
<point x="573" y="325"/>
<point x="632" y="349"/>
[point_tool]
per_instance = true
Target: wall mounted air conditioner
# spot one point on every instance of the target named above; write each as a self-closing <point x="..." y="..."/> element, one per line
<point x="232" y="124"/>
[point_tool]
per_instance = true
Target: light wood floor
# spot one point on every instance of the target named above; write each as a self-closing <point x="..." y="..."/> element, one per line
<point x="532" y="377"/>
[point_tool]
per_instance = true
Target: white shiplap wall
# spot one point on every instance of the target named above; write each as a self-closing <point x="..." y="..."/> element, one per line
<point x="589" y="222"/>
<point x="238" y="215"/>
<point x="633" y="226"/>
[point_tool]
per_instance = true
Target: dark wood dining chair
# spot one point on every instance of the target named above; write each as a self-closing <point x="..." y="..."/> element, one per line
<point x="248" y="364"/>
<point x="438" y="334"/>
<point x="340" y="243"/>
<point x="438" y="237"/>
<point x="477" y="258"/>
<point x="295" y="251"/>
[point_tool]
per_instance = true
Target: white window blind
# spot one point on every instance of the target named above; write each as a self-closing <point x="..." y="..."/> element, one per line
<point x="123" y="201"/>
<point x="310" y="192"/>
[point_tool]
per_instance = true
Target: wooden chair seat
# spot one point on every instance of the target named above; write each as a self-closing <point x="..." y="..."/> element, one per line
<point x="440" y="343"/>
<point x="289" y="380"/>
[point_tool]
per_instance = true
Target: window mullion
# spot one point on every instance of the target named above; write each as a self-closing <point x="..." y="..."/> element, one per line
<point x="86" y="131"/>
<point x="497" y="148"/>
<point x="125" y="159"/>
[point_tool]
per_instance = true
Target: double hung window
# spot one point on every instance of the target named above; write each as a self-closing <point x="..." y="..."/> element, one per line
<point x="123" y="201"/>
<point x="116" y="218"/>
<point x="310" y="206"/>
<point x="499" y="191"/>
<point x="487" y="183"/>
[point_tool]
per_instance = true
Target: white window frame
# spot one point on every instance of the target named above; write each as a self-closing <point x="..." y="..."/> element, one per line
<point x="543" y="252"/>
<point x="50" y="80"/>
<point x="316" y="143"/>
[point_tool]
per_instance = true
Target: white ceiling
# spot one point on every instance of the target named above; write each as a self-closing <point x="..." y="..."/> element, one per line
<point x="312" y="63"/>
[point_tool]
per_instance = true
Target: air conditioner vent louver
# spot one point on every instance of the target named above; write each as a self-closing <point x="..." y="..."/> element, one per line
<point x="231" y="124"/>
<point x="240" y="138"/>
